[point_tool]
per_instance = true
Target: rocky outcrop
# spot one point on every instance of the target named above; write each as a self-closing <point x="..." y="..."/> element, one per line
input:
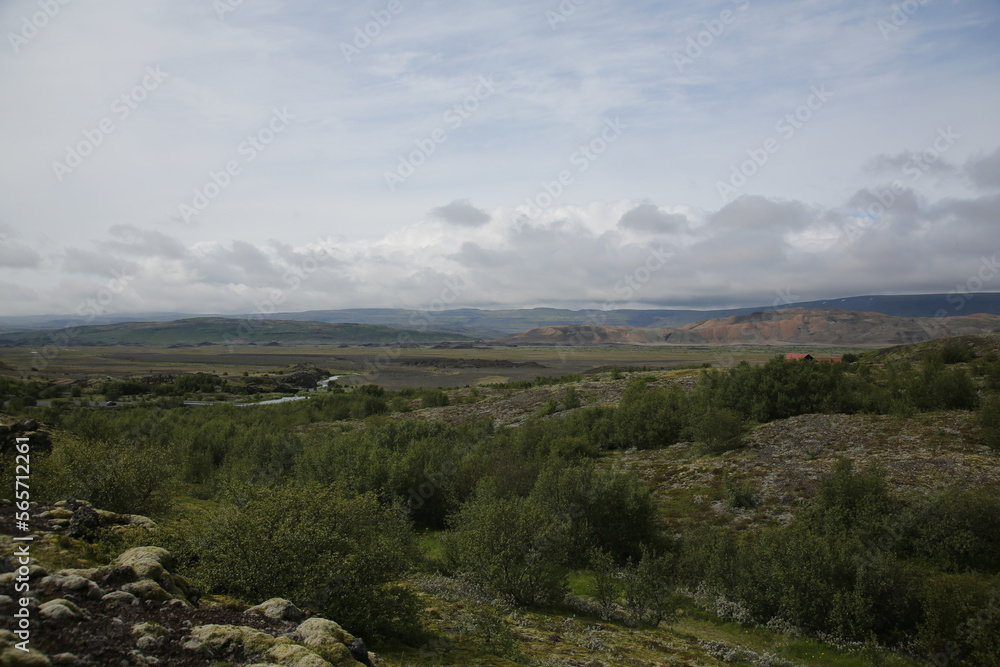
<point x="226" y="640"/>
<point x="137" y="610"/>
<point x="39" y="441"/>
<point x="278" y="609"/>
<point x="78" y="518"/>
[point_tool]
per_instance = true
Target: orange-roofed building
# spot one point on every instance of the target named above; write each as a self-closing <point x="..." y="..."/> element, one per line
<point x="792" y="356"/>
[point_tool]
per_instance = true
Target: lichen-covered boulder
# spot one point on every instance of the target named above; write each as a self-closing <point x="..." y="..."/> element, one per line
<point x="59" y="610"/>
<point x="317" y="632"/>
<point x="149" y="629"/>
<point x="219" y="637"/>
<point x="272" y="650"/>
<point x="294" y="655"/>
<point x="62" y="584"/>
<point x="120" y="596"/>
<point x="148" y="562"/>
<point x="86" y="572"/>
<point x="147" y="589"/>
<point x="279" y="609"/>
<point x="11" y="656"/>
<point x="142" y="522"/>
<point x="328" y="639"/>
<point x="124" y="521"/>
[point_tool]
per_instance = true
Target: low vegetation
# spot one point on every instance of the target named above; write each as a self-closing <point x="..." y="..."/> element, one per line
<point x="344" y="503"/>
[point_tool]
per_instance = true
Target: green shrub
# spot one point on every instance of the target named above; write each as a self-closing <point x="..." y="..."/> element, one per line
<point x="956" y="352"/>
<point x="649" y="589"/>
<point x="608" y="510"/>
<point x="821" y="573"/>
<point x="956" y="530"/>
<point x="607" y="581"/>
<point x="512" y="546"/>
<point x="989" y="368"/>
<point x="740" y="495"/>
<point x="988" y="418"/>
<point x="336" y="553"/>
<point x="493" y="632"/>
<point x="399" y="404"/>
<point x="720" y="430"/>
<point x="649" y="418"/>
<point x="570" y="399"/>
<point x="951" y="389"/>
<point x="849" y="501"/>
<point x="370" y="390"/>
<point x="819" y="583"/>
<point x="368" y="405"/>
<point x="433" y="398"/>
<point x="776" y="390"/>
<point x="962" y="621"/>
<point x="120" y="476"/>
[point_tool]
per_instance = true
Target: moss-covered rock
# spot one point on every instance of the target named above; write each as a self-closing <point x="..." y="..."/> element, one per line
<point x="59" y="610"/>
<point x="126" y="520"/>
<point x="154" y="630"/>
<point x="11" y="656"/>
<point x="86" y="573"/>
<point x="120" y="596"/>
<point x="147" y="589"/>
<point x="273" y="650"/>
<point x="219" y="637"/>
<point x="148" y="562"/>
<point x="320" y="632"/>
<point x="337" y="655"/>
<point x="328" y="639"/>
<point x="296" y="656"/>
<point x="279" y="609"/>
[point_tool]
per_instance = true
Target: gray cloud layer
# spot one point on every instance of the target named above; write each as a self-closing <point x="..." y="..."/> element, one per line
<point x="462" y="213"/>
<point x="622" y="255"/>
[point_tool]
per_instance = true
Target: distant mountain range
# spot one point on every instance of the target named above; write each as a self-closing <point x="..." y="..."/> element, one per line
<point x="487" y="324"/>
<point x="223" y="331"/>
<point x="791" y="326"/>
<point x="797" y="326"/>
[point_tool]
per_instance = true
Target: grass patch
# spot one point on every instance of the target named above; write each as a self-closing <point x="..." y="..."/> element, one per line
<point x="582" y="583"/>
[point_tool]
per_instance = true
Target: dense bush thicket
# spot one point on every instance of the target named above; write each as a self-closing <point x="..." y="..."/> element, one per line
<point x="338" y="553"/>
<point x="537" y="480"/>
<point x="124" y="475"/>
<point x="724" y="401"/>
<point x="523" y="547"/>
<point x="859" y="564"/>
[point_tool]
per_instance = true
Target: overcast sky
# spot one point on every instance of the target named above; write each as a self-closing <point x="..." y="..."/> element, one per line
<point x="218" y="156"/>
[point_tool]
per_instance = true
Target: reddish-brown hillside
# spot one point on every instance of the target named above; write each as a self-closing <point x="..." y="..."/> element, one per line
<point x="790" y="326"/>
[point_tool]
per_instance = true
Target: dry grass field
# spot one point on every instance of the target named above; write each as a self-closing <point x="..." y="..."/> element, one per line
<point x="431" y="366"/>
